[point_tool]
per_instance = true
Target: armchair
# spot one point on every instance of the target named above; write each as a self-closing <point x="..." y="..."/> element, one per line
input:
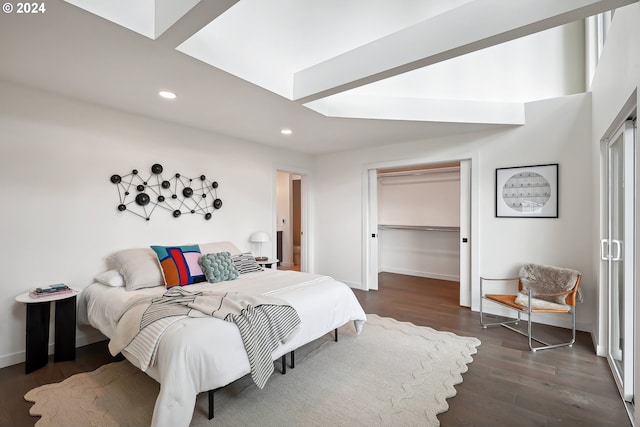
<point x="540" y="289"/>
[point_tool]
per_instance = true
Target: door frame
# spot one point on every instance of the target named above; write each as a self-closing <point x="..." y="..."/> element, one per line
<point x="625" y="251"/>
<point x="371" y="233"/>
<point x="369" y="279"/>
<point x="306" y="239"/>
<point x="626" y="380"/>
<point x="629" y="111"/>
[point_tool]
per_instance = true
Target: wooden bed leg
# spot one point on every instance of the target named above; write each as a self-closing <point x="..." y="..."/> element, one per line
<point x="293" y="360"/>
<point x="336" y="334"/>
<point x="210" y="404"/>
<point x="284" y="363"/>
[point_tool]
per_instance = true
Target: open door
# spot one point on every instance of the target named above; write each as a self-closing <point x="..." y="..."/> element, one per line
<point x="291" y="221"/>
<point x="465" y="233"/>
<point x="371" y="264"/>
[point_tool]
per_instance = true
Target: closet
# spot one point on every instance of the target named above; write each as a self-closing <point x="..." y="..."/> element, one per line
<point x="419" y="221"/>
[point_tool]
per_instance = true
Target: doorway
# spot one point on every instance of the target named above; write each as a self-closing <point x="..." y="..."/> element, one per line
<point x="432" y="216"/>
<point x="290" y="241"/>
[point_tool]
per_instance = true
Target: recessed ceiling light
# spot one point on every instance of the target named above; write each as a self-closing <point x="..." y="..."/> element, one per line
<point x="286" y="131"/>
<point x="167" y="95"/>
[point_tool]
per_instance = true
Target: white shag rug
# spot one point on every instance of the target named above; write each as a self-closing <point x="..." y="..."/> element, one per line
<point x="392" y="374"/>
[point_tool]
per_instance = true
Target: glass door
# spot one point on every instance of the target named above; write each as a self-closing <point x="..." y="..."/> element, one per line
<point x="618" y="252"/>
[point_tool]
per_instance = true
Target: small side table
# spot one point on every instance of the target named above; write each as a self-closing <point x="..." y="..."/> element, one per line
<point x="37" y="338"/>
<point x="269" y="263"/>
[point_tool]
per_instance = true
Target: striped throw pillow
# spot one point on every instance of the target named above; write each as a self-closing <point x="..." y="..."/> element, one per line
<point x="246" y="263"/>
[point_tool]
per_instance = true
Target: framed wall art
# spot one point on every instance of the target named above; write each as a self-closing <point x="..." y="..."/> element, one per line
<point x="527" y="191"/>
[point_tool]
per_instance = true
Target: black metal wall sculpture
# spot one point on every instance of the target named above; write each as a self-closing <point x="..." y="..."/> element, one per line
<point x="178" y="195"/>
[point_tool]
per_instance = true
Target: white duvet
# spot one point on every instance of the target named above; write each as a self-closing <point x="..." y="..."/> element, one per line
<point x="200" y="354"/>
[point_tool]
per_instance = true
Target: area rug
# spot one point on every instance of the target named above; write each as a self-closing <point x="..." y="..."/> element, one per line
<point x="392" y="374"/>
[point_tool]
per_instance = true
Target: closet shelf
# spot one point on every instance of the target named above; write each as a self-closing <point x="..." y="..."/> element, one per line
<point x="417" y="227"/>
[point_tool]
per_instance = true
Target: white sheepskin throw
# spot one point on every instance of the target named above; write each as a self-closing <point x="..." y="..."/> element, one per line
<point x="539" y="304"/>
<point x="546" y="279"/>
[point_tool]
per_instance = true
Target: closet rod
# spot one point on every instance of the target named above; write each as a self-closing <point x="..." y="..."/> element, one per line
<point x="417" y="227"/>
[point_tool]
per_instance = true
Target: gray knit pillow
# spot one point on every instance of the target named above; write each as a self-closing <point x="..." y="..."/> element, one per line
<point x="218" y="267"/>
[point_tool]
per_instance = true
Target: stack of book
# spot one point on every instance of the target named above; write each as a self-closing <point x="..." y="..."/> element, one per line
<point x="50" y="291"/>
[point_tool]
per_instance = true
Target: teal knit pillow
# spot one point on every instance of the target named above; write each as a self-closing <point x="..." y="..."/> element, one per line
<point x="218" y="267"/>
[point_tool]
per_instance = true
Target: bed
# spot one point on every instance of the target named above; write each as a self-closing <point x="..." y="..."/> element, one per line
<point x="195" y="355"/>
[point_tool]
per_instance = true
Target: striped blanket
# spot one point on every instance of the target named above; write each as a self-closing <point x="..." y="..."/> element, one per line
<point x="263" y="323"/>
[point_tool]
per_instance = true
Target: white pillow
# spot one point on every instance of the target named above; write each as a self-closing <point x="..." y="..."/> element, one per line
<point x="217" y="247"/>
<point x="110" y="278"/>
<point x="139" y="267"/>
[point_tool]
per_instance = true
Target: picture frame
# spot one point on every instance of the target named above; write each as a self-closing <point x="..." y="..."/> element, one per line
<point x="527" y="191"/>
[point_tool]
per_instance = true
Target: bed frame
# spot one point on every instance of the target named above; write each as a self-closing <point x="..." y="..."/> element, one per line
<point x="283" y="361"/>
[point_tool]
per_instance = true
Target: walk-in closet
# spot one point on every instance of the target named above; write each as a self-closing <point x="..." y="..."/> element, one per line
<point x="419" y="221"/>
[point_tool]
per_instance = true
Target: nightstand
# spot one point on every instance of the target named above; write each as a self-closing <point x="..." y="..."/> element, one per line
<point x="269" y="263"/>
<point x="37" y="334"/>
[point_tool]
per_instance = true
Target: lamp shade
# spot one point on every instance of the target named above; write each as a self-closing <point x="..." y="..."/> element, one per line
<point x="260" y="237"/>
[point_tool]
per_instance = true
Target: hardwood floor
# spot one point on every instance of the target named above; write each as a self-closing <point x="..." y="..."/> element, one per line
<point x="14" y="384"/>
<point x="506" y="385"/>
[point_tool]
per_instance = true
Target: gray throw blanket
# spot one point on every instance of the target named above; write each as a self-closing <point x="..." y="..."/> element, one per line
<point x="547" y="284"/>
<point x="263" y="323"/>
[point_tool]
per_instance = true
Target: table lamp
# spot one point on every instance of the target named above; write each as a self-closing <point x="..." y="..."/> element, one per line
<point x="260" y="237"/>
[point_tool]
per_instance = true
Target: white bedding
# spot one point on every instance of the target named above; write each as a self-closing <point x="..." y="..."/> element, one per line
<point x="200" y="354"/>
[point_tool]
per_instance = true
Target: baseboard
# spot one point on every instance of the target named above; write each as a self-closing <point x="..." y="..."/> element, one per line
<point x="353" y="285"/>
<point x="600" y="349"/>
<point x="11" y="359"/>
<point x="426" y="274"/>
<point x="82" y="339"/>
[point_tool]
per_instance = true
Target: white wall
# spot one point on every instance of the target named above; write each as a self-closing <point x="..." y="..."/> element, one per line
<point x="543" y="65"/>
<point x="59" y="217"/>
<point x="557" y="131"/>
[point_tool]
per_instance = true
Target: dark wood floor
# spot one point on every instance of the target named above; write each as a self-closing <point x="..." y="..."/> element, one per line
<point x="506" y="385"/>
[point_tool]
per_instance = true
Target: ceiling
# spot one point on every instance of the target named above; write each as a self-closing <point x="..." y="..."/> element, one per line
<point x="340" y="74"/>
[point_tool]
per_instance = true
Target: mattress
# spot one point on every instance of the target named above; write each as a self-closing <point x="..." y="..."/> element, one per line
<point x="200" y="354"/>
